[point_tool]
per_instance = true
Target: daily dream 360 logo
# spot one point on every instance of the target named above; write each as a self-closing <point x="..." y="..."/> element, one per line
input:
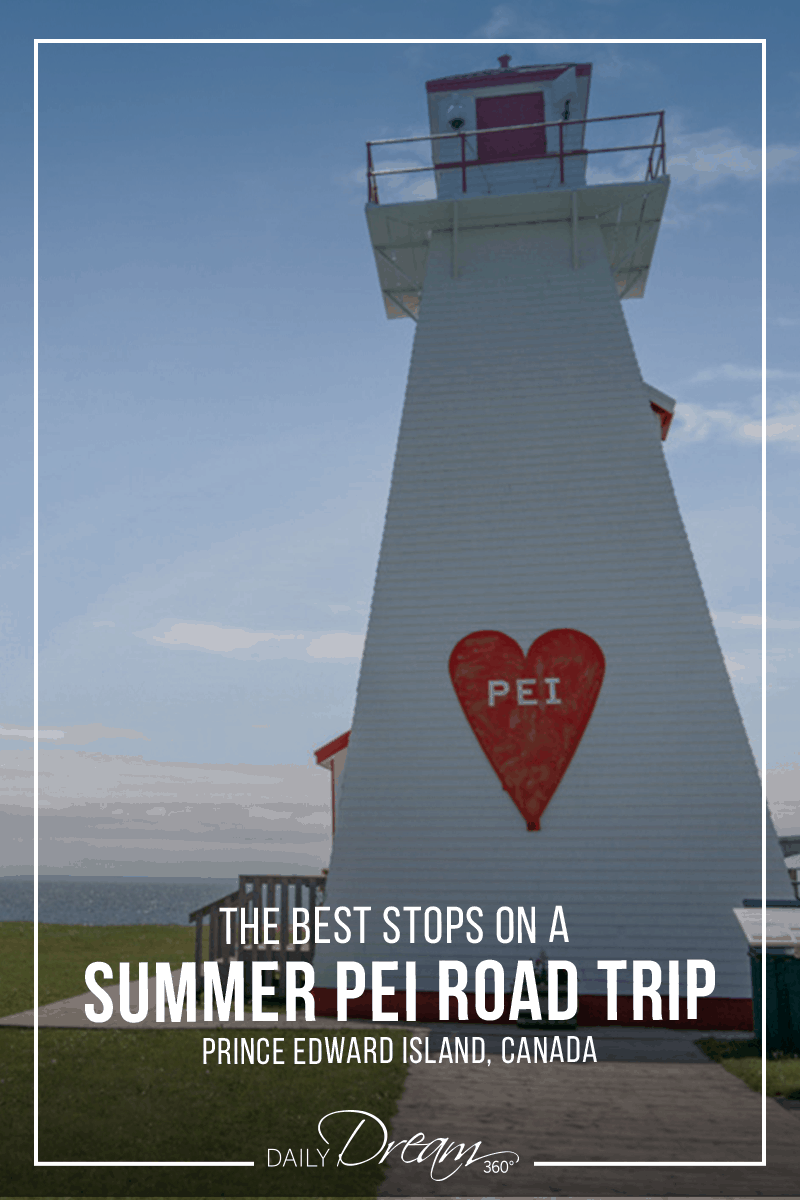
<point x="445" y="1156"/>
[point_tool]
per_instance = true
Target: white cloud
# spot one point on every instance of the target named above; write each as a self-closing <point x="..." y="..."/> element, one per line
<point x="502" y="19"/>
<point x="734" y="373"/>
<point x="217" y="637"/>
<point x="727" y="371"/>
<point x="734" y="667"/>
<point x="679" y="214"/>
<point x="404" y="158"/>
<point x="74" y="777"/>
<point x="734" y="620"/>
<point x="783" y="424"/>
<point x="626" y="167"/>
<point x="712" y="156"/>
<point x="608" y="62"/>
<point x="103" y="810"/>
<point x="783" y="791"/>
<point x="269" y="814"/>
<point x="337" y="645"/>
<point x="70" y="735"/>
<point x="695" y="423"/>
<point x="742" y="420"/>
<point x="394" y="189"/>
<point x="701" y="160"/>
<point x="260" y="644"/>
<point x="783" y="162"/>
<point x="317" y="818"/>
<point x="17" y="731"/>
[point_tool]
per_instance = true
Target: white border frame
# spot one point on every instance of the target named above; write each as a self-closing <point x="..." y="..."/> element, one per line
<point x="397" y="41"/>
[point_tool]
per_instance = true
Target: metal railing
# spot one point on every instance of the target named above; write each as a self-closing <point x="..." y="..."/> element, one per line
<point x="656" y="160"/>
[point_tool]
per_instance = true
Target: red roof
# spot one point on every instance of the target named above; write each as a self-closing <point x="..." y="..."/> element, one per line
<point x="477" y="79"/>
<point x="330" y="748"/>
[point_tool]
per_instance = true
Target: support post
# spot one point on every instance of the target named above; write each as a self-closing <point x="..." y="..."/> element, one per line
<point x="455" y="240"/>
<point x="198" y="945"/>
<point x="574" y="196"/>
<point x="372" y="186"/>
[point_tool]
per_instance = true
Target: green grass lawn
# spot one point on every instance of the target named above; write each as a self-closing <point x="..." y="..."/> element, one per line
<point x="139" y="1096"/>
<point x="146" y="1095"/>
<point x="65" y="952"/>
<point x="743" y="1059"/>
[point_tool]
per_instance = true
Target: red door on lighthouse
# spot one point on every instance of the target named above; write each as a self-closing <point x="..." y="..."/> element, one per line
<point x="524" y="109"/>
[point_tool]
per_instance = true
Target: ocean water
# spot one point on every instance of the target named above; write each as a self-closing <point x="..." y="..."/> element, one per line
<point x="71" y="900"/>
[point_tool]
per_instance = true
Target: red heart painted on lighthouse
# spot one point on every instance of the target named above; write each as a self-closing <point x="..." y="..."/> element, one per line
<point x="528" y="711"/>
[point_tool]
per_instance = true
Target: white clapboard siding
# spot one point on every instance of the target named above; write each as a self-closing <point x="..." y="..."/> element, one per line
<point x="530" y="492"/>
<point x="504" y="179"/>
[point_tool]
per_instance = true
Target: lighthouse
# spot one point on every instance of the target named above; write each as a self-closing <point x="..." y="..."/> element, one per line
<point x="543" y="717"/>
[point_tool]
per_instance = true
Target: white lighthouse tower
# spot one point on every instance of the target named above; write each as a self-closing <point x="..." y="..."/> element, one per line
<point x="543" y="713"/>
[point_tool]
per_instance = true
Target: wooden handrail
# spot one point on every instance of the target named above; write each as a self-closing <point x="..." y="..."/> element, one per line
<point x="249" y="897"/>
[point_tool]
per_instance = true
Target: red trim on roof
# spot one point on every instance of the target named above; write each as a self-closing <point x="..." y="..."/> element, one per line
<point x="331" y="748"/>
<point x="479" y="79"/>
<point x="664" y="417"/>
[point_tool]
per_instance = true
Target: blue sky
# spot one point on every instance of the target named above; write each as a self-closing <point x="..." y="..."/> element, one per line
<point x="220" y="390"/>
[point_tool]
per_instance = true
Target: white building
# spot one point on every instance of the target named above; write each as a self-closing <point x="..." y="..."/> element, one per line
<point x="530" y="494"/>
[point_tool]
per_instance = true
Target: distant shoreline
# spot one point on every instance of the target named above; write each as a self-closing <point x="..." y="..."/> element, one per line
<point x="110" y="900"/>
<point x="122" y="878"/>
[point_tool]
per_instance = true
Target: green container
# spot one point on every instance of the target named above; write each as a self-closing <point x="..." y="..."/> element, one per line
<point x="783" y="1000"/>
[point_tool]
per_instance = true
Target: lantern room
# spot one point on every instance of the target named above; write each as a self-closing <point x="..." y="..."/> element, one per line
<point x="509" y="130"/>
